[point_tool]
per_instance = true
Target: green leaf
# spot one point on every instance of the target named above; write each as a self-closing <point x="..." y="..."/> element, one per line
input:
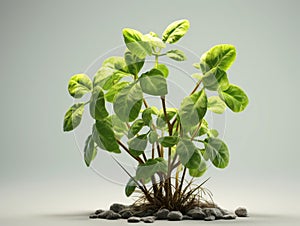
<point x="150" y="167"/>
<point x="235" y="98"/>
<point x="138" y="144"/>
<point x="79" y="85"/>
<point x="215" y="79"/>
<point x="213" y="133"/>
<point x="175" y="31"/>
<point x="216" y="105"/>
<point x="198" y="172"/>
<point x="161" y="119"/>
<point x="128" y="102"/>
<point x="195" y="160"/>
<point x="217" y="152"/>
<point x="73" y="117"/>
<point x="114" y="90"/>
<point x="185" y="150"/>
<point x="221" y="56"/>
<point x="155" y="42"/>
<point x="97" y="105"/>
<point x="133" y="63"/>
<point x="163" y="69"/>
<point x="135" y="128"/>
<point x="176" y="54"/>
<point x="90" y="151"/>
<point x="115" y="62"/>
<point x="119" y="127"/>
<point x="154" y="83"/>
<point x="196" y="65"/>
<point x="204" y="127"/>
<point x="136" y="43"/>
<point x="130" y="187"/>
<point x="105" y="137"/>
<point x="168" y="141"/>
<point x="153" y="137"/>
<point x="193" y="109"/>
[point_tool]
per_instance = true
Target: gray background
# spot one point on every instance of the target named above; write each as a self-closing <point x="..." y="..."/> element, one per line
<point x="43" y="43"/>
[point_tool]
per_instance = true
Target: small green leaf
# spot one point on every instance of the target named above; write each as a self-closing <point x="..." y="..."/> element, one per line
<point x="198" y="172"/>
<point x="130" y="187"/>
<point x="235" y="98"/>
<point x="128" y="102"/>
<point x="216" y="105"/>
<point x="217" y="152"/>
<point x="175" y="31"/>
<point x="138" y="144"/>
<point x="150" y="167"/>
<point x="135" y="128"/>
<point x="161" y="119"/>
<point x="221" y="56"/>
<point x="168" y="141"/>
<point x="114" y="90"/>
<point x="73" y="117"/>
<point x="193" y="109"/>
<point x="195" y="160"/>
<point x="97" y="105"/>
<point x="133" y="63"/>
<point x="115" y="62"/>
<point x="136" y="43"/>
<point x="105" y="137"/>
<point x="90" y="151"/>
<point x="176" y="54"/>
<point x="155" y="42"/>
<point x="163" y="69"/>
<point x="153" y="137"/>
<point x="154" y="83"/>
<point x="147" y="116"/>
<point x="196" y="65"/>
<point x="213" y="133"/>
<point x="215" y="79"/>
<point x="119" y="127"/>
<point x="185" y="150"/>
<point x="79" y="85"/>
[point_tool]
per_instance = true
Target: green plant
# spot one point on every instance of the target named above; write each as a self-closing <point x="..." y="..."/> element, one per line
<point x="180" y="140"/>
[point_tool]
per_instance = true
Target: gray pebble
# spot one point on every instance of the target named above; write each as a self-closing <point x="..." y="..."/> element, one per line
<point x="149" y="219"/>
<point x="93" y="216"/>
<point x="133" y="219"/>
<point x="105" y="213"/>
<point x="241" y="212"/>
<point x="175" y="216"/>
<point x="113" y="216"/>
<point x="210" y="218"/>
<point x="186" y="217"/>
<point x="229" y="217"/>
<point x="99" y="211"/>
<point x="213" y="212"/>
<point x="126" y="213"/>
<point x="223" y="211"/>
<point x="196" y="214"/>
<point x="162" y="214"/>
<point x="117" y="207"/>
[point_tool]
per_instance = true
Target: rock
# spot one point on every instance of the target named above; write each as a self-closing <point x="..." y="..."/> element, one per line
<point x="213" y="212"/>
<point x="162" y="214"/>
<point x="149" y="219"/>
<point x="186" y="217"/>
<point x="105" y="213"/>
<point x="229" y="217"/>
<point x="175" y="216"/>
<point x="241" y="212"/>
<point x="133" y="219"/>
<point x="116" y="207"/>
<point x="93" y="216"/>
<point x="113" y="216"/>
<point x="141" y="213"/>
<point x="99" y="211"/>
<point x="196" y="214"/>
<point x="210" y="218"/>
<point x="126" y="213"/>
<point x="223" y="211"/>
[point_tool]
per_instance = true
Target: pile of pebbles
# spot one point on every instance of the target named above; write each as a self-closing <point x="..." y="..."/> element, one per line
<point x="120" y="211"/>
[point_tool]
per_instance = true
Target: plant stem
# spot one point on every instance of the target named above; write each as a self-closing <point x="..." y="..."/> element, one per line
<point x="156" y="60"/>
<point x="182" y="180"/>
<point x="196" y="87"/>
<point x="127" y="150"/>
<point x="196" y="131"/>
<point x="163" y="101"/>
<point x="145" y="103"/>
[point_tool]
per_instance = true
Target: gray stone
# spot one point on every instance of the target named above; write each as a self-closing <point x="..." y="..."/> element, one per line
<point x="196" y="214"/>
<point x="126" y="213"/>
<point x="105" y="213"/>
<point x="117" y="207"/>
<point x="175" y="216"/>
<point x="93" y="216"/>
<point x="113" y="216"/>
<point x="213" y="212"/>
<point x="162" y="214"/>
<point x="241" y="212"/>
<point x="133" y="219"/>
<point x="186" y="217"/>
<point x="149" y="219"/>
<point x="229" y="217"/>
<point x="223" y="211"/>
<point x="99" y="211"/>
<point x="210" y="218"/>
<point x="141" y="213"/>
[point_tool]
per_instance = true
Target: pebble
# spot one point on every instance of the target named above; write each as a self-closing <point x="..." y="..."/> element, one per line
<point x="104" y="214"/>
<point x="133" y="219"/>
<point x="117" y="207"/>
<point x="213" y="212"/>
<point x="149" y="219"/>
<point x="113" y="216"/>
<point x="210" y="218"/>
<point x="186" y="217"/>
<point x="196" y="214"/>
<point x="162" y="214"/>
<point x="229" y="217"/>
<point x="241" y="212"/>
<point x="93" y="216"/>
<point x="126" y="213"/>
<point x="175" y="216"/>
<point x="99" y="211"/>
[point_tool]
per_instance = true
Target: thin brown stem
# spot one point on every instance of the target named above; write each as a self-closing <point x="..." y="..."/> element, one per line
<point x="196" y="87"/>
<point x="145" y="157"/>
<point x="163" y="101"/>
<point x="145" y="103"/>
<point x="127" y="150"/>
<point x="196" y="131"/>
<point x="182" y="181"/>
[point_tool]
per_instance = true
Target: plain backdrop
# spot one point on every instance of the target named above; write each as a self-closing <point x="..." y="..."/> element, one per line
<point x="43" y="43"/>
